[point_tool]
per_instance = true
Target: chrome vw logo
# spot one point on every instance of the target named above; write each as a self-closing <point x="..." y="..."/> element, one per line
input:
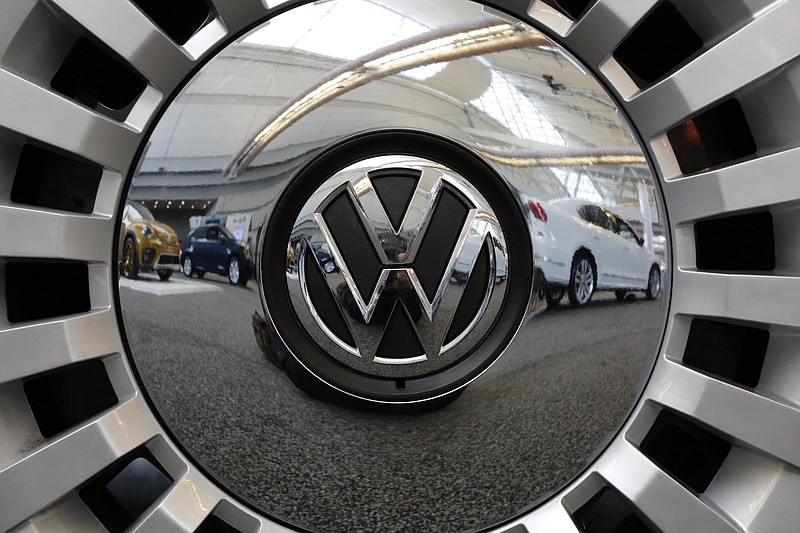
<point x="396" y="267"/>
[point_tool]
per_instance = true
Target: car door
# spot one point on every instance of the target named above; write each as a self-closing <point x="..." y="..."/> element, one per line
<point x="602" y="242"/>
<point x="637" y="264"/>
<point x="216" y="251"/>
<point x="197" y="247"/>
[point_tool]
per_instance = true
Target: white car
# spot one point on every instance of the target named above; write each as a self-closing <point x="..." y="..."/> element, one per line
<point x="580" y="247"/>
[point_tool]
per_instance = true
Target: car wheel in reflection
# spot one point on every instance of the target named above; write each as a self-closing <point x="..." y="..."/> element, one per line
<point x="235" y="272"/>
<point x="553" y="296"/>
<point x="164" y="274"/>
<point x="187" y="267"/>
<point x="582" y="280"/>
<point x="130" y="265"/>
<point x="620" y="294"/>
<point x="653" y="283"/>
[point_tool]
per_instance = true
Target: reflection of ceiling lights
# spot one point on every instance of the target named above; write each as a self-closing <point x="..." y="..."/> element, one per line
<point x="175" y="204"/>
<point x="573" y="159"/>
<point x="447" y="44"/>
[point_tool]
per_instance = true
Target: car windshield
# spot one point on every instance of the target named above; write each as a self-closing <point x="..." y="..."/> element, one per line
<point x="626" y="231"/>
<point x="139" y="212"/>
<point x="213" y="232"/>
<point x="225" y="231"/>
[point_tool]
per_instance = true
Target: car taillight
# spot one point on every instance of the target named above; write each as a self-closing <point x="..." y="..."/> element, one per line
<point x="538" y="211"/>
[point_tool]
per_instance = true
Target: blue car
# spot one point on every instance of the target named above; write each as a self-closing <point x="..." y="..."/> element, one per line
<point x="213" y="248"/>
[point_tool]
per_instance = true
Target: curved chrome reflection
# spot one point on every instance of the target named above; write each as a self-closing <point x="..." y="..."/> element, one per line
<point x="448" y="44"/>
<point x="559" y="147"/>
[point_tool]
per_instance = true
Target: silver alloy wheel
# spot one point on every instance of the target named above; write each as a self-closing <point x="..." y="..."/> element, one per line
<point x="654" y="283"/>
<point x="233" y="270"/>
<point x="751" y="51"/>
<point x="187" y="266"/>
<point x="582" y="284"/>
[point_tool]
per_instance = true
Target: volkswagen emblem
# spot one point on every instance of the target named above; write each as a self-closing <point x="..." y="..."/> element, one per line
<point x="396" y="270"/>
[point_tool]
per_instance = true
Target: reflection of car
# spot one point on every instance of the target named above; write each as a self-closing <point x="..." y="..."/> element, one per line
<point x="324" y="258"/>
<point x="581" y="248"/>
<point x="213" y="248"/>
<point x="147" y="245"/>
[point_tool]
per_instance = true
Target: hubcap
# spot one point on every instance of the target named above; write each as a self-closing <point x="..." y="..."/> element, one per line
<point x="233" y="271"/>
<point x="584" y="281"/>
<point x="706" y="164"/>
<point x="655" y="282"/>
<point x="402" y="273"/>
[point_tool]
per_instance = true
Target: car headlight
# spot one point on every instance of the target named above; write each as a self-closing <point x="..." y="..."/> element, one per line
<point x="147" y="232"/>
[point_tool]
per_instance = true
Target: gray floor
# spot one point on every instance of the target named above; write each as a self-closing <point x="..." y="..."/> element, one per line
<point x="520" y="431"/>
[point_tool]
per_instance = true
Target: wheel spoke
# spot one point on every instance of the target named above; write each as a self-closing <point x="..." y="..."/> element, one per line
<point x="239" y="14"/>
<point x="731" y="188"/>
<point x="693" y="88"/>
<point x="31" y="349"/>
<point x="41" y="230"/>
<point x="550" y="517"/>
<point x="147" y="49"/>
<point x="29" y="485"/>
<point x="183" y="508"/>
<point x="656" y="494"/>
<point x="741" y="297"/>
<point x="616" y="19"/>
<point x="721" y="405"/>
<point x="739" y="486"/>
<point x="63" y="124"/>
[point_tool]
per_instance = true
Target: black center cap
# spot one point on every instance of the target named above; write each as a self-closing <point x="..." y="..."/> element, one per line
<point x="395" y="282"/>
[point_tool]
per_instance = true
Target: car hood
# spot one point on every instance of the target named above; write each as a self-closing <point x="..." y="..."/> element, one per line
<point x="162" y="231"/>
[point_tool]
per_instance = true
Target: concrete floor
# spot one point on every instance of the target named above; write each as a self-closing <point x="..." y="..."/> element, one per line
<point x="520" y="431"/>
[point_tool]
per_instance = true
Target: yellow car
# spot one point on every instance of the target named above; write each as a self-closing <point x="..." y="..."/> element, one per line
<point x="147" y="245"/>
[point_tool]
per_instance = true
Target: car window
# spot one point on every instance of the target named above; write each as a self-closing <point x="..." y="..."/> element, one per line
<point x="627" y="232"/>
<point x="199" y="233"/>
<point x="596" y="216"/>
<point x="213" y="234"/>
<point x="610" y="222"/>
<point x="132" y="213"/>
<point x="227" y="233"/>
<point x="138" y="212"/>
<point x="588" y="213"/>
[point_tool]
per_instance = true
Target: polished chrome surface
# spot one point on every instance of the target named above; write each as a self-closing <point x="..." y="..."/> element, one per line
<point x="753" y="53"/>
<point x="398" y="283"/>
<point x="476" y="79"/>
